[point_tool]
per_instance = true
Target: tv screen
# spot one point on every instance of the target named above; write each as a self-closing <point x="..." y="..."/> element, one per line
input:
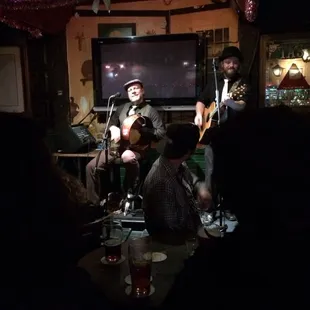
<point x="166" y="64"/>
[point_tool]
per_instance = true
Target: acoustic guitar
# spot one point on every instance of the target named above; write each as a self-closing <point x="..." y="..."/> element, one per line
<point x="210" y="114"/>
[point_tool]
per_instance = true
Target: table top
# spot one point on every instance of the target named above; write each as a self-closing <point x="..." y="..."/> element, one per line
<point x="92" y="154"/>
<point x="111" y="278"/>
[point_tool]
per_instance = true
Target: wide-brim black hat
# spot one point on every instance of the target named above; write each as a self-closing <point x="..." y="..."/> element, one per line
<point x="231" y="51"/>
<point x="131" y="82"/>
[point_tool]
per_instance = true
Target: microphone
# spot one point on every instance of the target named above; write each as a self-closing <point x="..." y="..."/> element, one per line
<point x="116" y="95"/>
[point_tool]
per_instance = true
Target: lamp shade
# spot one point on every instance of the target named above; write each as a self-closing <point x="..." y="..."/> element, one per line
<point x="294" y="69"/>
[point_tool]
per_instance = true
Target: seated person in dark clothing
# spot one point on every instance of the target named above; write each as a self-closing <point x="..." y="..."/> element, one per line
<point x="86" y="212"/>
<point x="130" y="154"/>
<point x="262" y="166"/>
<point x="169" y="190"/>
<point x="38" y="230"/>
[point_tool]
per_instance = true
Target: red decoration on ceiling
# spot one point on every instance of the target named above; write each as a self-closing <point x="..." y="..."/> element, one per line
<point x="250" y="10"/>
<point x="37" y="16"/>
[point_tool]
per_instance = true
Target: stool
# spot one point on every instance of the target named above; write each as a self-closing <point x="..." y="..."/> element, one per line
<point x="110" y="182"/>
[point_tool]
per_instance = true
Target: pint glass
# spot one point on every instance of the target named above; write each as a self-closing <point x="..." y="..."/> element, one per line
<point x="140" y="263"/>
<point x="112" y="235"/>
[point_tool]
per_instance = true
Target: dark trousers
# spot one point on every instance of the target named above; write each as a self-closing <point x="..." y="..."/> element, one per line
<point x="216" y="192"/>
<point x="131" y="179"/>
<point x="209" y="161"/>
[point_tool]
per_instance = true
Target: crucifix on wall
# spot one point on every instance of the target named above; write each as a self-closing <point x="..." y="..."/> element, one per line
<point x="80" y="38"/>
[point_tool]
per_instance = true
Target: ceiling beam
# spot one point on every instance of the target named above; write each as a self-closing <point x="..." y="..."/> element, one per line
<point x="148" y="13"/>
<point x="90" y="2"/>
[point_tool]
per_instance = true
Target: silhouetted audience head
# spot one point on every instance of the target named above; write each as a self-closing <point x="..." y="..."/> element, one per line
<point x="262" y="166"/>
<point x="181" y="140"/>
<point x="76" y="189"/>
<point x="37" y="226"/>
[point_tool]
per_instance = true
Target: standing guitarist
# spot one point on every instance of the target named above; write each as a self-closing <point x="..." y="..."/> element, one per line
<point x="130" y="156"/>
<point x="229" y="80"/>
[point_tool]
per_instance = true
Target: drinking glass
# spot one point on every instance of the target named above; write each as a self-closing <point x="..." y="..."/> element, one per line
<point x="140" y="264"/>
<point x="191" y="245"/>
<point x="112" y="237"/>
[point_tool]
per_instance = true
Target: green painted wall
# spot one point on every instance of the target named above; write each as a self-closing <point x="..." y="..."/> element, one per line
<point x="196" y="164"/>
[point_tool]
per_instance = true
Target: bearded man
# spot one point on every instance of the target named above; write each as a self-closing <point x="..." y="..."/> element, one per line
<point x="229" y="81"/>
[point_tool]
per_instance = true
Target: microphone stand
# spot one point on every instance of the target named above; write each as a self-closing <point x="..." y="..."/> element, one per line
<point x="217" y="93"/>
<point x="92" y="119"/>
<point x="223" y="228"/>
<point x="105" y="148"/>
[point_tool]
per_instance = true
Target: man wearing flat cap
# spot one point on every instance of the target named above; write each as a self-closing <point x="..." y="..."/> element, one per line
<point x="130" y="157"/>
<point x="229" y="81"/>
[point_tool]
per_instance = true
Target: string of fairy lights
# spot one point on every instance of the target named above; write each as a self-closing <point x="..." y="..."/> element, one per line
<point x="27" y="14"/>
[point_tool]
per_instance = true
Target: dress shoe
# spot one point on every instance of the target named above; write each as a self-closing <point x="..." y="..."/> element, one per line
<point x="229" y="216"/>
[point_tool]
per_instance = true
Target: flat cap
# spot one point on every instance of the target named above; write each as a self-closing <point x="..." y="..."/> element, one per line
<point x="131" y="82"/>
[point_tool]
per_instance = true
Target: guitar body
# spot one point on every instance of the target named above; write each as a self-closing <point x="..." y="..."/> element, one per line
<point x="210" y="114"/>
<point x="209" y="119"/>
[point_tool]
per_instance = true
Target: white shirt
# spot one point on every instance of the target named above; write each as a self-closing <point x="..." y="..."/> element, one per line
<point x="132" y="111"/>
<point x="224" y="97"/>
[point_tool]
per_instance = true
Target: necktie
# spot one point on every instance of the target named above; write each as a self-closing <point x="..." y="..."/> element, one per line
<point x="225" y="90"/>
<point x="224" y="96"/>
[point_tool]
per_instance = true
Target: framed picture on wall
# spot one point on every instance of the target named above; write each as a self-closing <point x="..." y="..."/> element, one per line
<point x="11" y="87"/>
<point x="116" y="30"/>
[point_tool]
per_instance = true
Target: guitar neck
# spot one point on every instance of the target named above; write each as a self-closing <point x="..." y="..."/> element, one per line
<point x="215" y="110"/>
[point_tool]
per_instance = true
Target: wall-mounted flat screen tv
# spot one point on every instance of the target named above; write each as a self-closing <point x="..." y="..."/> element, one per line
<point x="168" y="66"/>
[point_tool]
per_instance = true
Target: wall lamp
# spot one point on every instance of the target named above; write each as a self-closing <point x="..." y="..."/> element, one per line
<point x="277" y="70"/>
<point x="305" y="55"/>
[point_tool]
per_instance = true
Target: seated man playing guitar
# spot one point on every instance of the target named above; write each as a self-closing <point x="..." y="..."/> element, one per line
<point x="130" y="154"/>
<point x="233" y="94"/>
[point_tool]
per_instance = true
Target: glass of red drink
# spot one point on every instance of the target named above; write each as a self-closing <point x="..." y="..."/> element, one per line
<point x="112" y="235"/>
<point x="140" y="264"/>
